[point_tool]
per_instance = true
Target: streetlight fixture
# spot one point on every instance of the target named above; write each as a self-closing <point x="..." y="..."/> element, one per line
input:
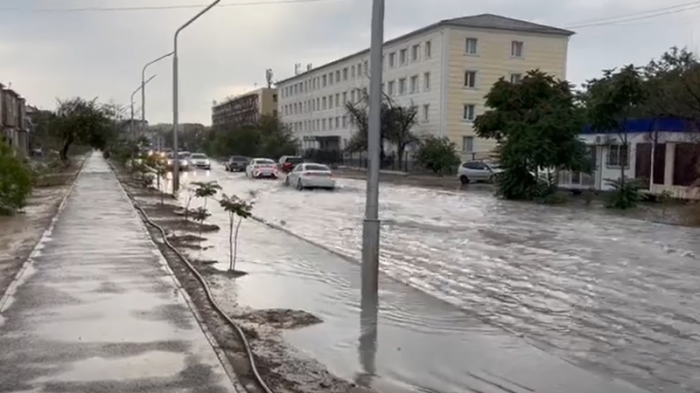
<point x="143" y="84"/>
<point x="176" y="164"/>
<point x="370" y="227"/>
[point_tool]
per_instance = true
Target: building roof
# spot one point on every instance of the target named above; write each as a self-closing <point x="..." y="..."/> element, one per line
<point x="481" y="21"/>
<point x="246" y="94"/>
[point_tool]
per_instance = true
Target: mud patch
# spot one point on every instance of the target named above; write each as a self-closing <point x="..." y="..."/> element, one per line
<point x="282" y="318"/>
<point x="180" y="224"/>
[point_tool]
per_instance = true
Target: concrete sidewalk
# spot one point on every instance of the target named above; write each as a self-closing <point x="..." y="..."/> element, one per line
<point x="97" y="310"/>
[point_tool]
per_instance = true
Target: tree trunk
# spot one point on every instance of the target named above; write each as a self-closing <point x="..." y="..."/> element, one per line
<point x="235" y="243"/>
<point x="401" y="151"/>
<point x="231" y="263"/>
<point x="64" y="150"/>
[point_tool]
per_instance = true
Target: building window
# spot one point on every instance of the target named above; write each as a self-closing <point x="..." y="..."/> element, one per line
<point x="352" y="72"/>
<point x="392" y="59"/>
<point x="471" y="46"/>
<point x="414" y="84"/>
<point x="330" y="78"/>
<point x="402" y="86"/>
<point x="468" y="114"/>
<point x="330" y="102"/>
<point x="345" y="73"/>
<point x="274" y="98"/>
<point x="337" y="122"/>
<point x="390" y="88"/>
<point x="618" y="155"/>
<point x="323" y="125"/>
<point x="516" y="49"/>
<point x="428" y="49"/>
<point x="415" y="52"/>
<point x="366" y="67"/>
<point x="359" y="70"/>
<point x="468" y="144"/>
<point x="426" y="81"/>
<point x="325" y="81"/>
<point x="345" y="97"/>
<point x="426" y="112"/>
<point x="325" y="103"/>
<point x="516" y="78"/>
<point x="337" y="99"/>
<point x="337" y="76"/>
<point x="352" y="96"/>
<point x="402" y="56"/>
<point x="470" y="79"/>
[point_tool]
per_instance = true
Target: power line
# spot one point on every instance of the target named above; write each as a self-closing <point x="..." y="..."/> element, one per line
<point x="610" y="18"/>
<point x="159" y="7"/>
<point x="639" y="16"/>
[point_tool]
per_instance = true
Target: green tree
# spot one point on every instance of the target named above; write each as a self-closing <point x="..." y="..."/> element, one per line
<point x="614" y="99"/>
<point x="438" y="155"/>
<point x="15" y="181"/>
<point x="536" y="124"/>
<point x="673" y="86"/>
<point x="82" y="121"/>
<point x="268" y="137"/>
<point x="235" y="207"/>
<point x="397" y="123"/>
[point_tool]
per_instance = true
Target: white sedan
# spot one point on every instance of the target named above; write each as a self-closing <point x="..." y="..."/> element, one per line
<point x="308" y="175"/>
<point x="261" y="167"/>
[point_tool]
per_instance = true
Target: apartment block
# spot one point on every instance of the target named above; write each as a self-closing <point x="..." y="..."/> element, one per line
<point x="14" y="127"/>
<point x="444" y="70"/>
<point x="244" y="109"/>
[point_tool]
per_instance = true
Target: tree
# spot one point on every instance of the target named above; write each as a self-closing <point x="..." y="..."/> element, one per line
<point x="673" y="86"/>
<point x="536" y="124"/>
<point x="82" y="121"/>
<point x="397" y="123"/>
<point x="268" y="137"/>
<point x="437" y="154"/>
<point x="613" y="100"/>
<point x="235" y="207"/>
<point x="15" y="181"/>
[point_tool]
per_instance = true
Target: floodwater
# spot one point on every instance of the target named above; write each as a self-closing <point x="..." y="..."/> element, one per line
<point x="612" y="295"/>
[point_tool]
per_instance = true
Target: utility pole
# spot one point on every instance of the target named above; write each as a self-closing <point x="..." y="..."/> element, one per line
<point x="176" y="162"/>
<point x="370" y="229"/>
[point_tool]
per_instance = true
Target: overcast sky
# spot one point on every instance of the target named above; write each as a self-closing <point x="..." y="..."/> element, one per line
<point x="49" y="55"/>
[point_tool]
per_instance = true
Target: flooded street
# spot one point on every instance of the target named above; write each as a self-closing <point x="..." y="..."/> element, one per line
<point x="613" y="295"/>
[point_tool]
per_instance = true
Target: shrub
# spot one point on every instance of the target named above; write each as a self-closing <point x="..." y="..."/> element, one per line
<point x="625" y="195"/>
<point x="438" y="155"/>
<point x="15" y="181"/>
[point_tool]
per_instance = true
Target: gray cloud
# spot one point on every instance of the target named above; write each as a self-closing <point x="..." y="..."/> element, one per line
<point x="49" y="55"/>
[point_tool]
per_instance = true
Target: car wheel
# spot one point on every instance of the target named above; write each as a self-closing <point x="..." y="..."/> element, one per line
<point x="464" y="179"/>
<point x="300" y="186"/>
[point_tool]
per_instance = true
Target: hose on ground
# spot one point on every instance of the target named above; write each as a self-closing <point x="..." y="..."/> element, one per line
<point x="207" y="291"/>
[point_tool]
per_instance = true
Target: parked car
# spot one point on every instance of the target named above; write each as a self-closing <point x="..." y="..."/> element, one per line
<point x="261" y="167"/>
<point x="199" y="160"/>
<point x="236" y="164"/>
<point x="475" y="171"/>
<point x="310" y="175"/>
<point x="184" y="163"/>
<point x="287" y="163"/>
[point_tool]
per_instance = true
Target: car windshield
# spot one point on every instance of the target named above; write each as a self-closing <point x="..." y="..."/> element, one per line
<point x="315" y="167"/>
<point x="199" y="156"/>
<point x="238" y="158"/>
<point x="264" y="161"/>
<point x="182" y="156"/>
<point x="294" y="160"/>
<point x="495" y="165"/>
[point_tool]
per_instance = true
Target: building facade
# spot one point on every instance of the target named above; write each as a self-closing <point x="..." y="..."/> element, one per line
<point x="661" y="153"/>
<point x="244" y="109"/>
<point x="14" y="127"/>
<point x="444" y="70"/>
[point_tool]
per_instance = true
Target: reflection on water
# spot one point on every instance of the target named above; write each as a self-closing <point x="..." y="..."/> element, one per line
<point x="367" y="349"/>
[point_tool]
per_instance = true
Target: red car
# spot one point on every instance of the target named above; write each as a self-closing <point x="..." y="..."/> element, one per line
<point x="287" y="163"/>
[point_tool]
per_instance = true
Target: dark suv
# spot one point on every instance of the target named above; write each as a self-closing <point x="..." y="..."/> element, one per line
<point x="236" y="164"/>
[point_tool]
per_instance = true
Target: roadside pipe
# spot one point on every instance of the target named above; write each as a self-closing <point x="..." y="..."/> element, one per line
<point x="207" y="291"/>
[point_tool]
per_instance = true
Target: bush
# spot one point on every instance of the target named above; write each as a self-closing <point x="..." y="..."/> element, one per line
<point x="625" y="195"/>
<point x="15" y="181"/>
<point x="438" y="155"/>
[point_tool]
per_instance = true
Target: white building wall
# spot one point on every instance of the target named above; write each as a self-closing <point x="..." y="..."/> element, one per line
<point x="301" y="99"/>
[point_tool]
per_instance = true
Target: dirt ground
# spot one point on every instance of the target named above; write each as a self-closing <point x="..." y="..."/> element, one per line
<point x="20" y="233"/>
<point x="282" y="369"/>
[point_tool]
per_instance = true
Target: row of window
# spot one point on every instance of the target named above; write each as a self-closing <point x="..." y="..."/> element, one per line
<point x="361" y="69"/>
<point x="471" y="47"/>
<point x="343" y="122"/>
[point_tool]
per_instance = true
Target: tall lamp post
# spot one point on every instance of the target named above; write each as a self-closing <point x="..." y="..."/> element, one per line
<point x="370" y="228"/>
<point x="176" y="164"/>
<point x="143" y="84"/>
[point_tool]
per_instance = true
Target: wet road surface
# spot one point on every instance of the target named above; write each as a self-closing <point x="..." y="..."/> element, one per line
<point x="423" y="344"/>
<point x="96" y="309"/>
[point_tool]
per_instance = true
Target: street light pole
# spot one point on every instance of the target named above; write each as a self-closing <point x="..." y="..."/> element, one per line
<point x="176" y="163"/>
<point x="143" y="84"/>
<point x="131" y="122"/>
<point x="370" y="229"/>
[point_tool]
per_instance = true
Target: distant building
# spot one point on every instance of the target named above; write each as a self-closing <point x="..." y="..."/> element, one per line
<point x="444" y="70"/>
<point x="244" y="109"/>
<point x="663" y="153"/>
<point x="14" y="127"/>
